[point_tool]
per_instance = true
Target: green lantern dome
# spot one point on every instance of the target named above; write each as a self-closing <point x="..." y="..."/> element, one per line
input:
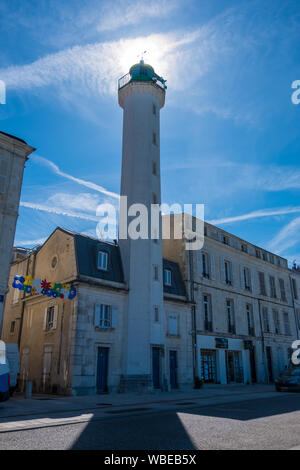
<point x="142" y="72"/>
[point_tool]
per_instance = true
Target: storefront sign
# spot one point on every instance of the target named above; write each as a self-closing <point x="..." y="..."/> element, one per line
<point x="42" y="286"/>
<point x="221" y="343"/>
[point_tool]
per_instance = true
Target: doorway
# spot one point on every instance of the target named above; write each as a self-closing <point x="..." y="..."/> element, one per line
<point x="102" y="370"/>
<point x="208" y="365"/>
<point x="173" y="369"/>
<point x="253" y="365"/>
<point x="156" y="367"/>
<point x="234" y="368"/>
<point x="269" y="364"/>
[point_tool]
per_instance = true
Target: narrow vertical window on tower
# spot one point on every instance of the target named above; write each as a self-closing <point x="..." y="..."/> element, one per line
<point x="156" y="273"/>
<point x="154" y="168"/>
<point x="156" y="314"/>
<point x="154" y="140"/>
<point x="154" y="109"/>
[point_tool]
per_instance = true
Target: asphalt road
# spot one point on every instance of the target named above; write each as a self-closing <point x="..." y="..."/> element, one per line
<point x="265" y="423"/>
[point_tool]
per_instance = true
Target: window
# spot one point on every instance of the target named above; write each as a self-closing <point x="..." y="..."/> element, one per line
<point x="282" y="290"/>
<point x="154" y="109"/>
<point x="154" y="198"/>
<point x="265" y="256"/>
<point x="105" y="316"/>
<point x="230" y="316"/>
<point x="225" y="240"/>
<point x="247" y="279"/>
<point x="228" y="272"/>
<point x="205" y="265"/>
<point x="50" y="318"/>
<point x="102" y="260"/>
<point x="207" y="312"/>
<point x="156" y="314"/>
<point x="167" y="277"/>
<point x="272" y="287"/>
<point x="173" y="325"/>
<point x="294" y="284"/>
<point x="298" y="317"/>
<point x="257" y="253"/>
<point x="3" y="174"/>
<point x="244" y="248"/>
<point x="155" y="273"/>
<point x="262" y="283"/>
<point x="154" y="170"/>
<point x="266" y="322"/>
<point x="12" y="327"/>
<point x="250" y="319"/>
<point x="286" y="321"/>
<point x="154" y="140"/>
<point x="276" y="321"/>
<point x="271" y="258"/>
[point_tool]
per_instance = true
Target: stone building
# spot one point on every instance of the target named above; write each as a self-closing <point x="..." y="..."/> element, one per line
<point x="77" y="346"/>
<point x="13" y="155"/>
<point x="247" y="307"/>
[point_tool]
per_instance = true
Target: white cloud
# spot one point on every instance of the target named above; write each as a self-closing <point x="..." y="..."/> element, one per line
<point x="80" y="181"/>
<point x="255" y="215"/>
<point x="117" y="14"/>
<point x="58" y="211"/>
<point x="287" y="237"/>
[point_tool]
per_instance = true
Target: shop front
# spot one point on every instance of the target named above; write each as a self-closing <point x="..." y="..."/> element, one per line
<point x="223" y="360"/>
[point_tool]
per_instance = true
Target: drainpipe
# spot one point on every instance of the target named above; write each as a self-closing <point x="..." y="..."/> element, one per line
<point x="294" y="307"/>
<point x="193" y="314"/>
<point x="262" y="341"/>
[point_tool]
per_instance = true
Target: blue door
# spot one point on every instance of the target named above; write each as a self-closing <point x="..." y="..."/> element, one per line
<point x="173" y="369"/>
<point x="102" y="370"/>
<point x="156" y="367"/>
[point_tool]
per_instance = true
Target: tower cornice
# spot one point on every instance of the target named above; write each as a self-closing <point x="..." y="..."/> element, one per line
<point x="142" y="88"/>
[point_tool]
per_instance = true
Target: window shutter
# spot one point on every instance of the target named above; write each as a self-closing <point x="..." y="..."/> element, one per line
<point x="212" y="267"/>
<point x="242" y="277"/>
<point x="233" y="277"/>
<point x="97" y="314"/>
<point x="222" y="268"/>
<point x="251" y="279"/>
<point x="45" y="319"/>
<point x="173" y="325"/>
<point x="200" y="263"/>
<point x="114" y="317"/>
<point x="55" y="315"/>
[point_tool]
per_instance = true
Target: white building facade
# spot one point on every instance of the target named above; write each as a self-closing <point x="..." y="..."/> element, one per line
<point x="13" y="155"/>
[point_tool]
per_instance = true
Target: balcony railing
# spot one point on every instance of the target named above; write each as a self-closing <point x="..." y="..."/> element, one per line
<point x="127" y="78"/>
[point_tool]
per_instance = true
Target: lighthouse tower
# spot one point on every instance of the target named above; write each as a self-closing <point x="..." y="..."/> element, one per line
<point x="141" y="95"/>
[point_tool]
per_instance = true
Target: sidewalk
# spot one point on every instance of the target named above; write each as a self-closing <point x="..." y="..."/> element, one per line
<point x="47" y="410"/>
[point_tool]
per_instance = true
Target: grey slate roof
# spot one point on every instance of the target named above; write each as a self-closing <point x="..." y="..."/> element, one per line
<point x="87" y="249"/>
<point x="177" y="287"/>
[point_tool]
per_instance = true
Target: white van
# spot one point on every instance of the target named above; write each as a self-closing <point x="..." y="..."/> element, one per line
<point x="12" y="356"/>
<point x="4" y="373"/>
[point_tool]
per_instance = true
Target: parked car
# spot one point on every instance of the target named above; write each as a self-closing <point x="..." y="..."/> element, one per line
<point x="289" y="380"/>
<point x="12" y="356"/>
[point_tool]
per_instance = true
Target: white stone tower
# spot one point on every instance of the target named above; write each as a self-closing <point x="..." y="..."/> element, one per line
<point x="142" y="95"/>
<point x="13" y="156"/>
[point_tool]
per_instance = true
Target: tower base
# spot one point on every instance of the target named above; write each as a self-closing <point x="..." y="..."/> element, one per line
<point x="136" y="383"/>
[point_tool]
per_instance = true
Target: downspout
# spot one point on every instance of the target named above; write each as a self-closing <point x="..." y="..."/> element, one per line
<point x="294" y="307"/>
<point x="262" y="341"/>
<point x="193" y="314"/>
<point x="24" y="295"/>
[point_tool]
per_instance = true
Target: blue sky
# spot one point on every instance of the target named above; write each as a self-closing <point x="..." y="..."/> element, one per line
<point x="229" y="130"/>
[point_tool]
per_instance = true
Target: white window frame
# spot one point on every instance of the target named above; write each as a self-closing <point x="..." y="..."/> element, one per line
<point x="230" y="316"/>
<point x="102" y="260"/>
<point x="228" y="272"/>
<point x="50" y="319"/>
<point x="266" y="320"/>
<point x="103" y="316"/>
<point x="207" y="311"/>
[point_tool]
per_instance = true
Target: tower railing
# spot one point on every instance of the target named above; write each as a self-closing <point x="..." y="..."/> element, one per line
<point x="127" y="78"/>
